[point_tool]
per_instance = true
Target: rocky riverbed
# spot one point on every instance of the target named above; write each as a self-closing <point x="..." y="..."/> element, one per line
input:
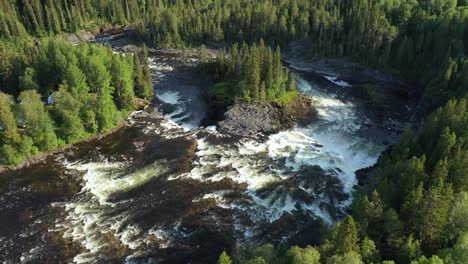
<point x="164" y="189"/>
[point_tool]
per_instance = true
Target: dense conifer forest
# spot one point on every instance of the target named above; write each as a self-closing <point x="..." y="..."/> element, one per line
<point x="424" y="41"/>
<point x="415" y="206"/>
<point x="250" y="74"/>
<point x="54" y="94"/>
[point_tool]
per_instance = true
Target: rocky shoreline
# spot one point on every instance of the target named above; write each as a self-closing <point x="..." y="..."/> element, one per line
<point x="262" y="119"/>
<point x="135" y="120"/>
<point x="340" y="67"/>
<point x="43" y="156"/>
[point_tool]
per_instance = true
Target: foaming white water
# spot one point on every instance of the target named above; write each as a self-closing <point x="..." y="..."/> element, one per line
<point x="98" y="230"/>
<point x="245" y="165"/>
<point x="169" y="97"/>
<point x="159" y="66"/>
<point x="279" y="176"/>
<point x="104" y="179"/>
<point x="170" y="91"/>
<point x="335" y="80"/>
<point x="92" y="220"/>
<point x="246" y="162"/>
<point x="332" y="143"/>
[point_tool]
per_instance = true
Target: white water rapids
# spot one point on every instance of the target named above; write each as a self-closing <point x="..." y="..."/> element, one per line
<point x="295" y="171"/>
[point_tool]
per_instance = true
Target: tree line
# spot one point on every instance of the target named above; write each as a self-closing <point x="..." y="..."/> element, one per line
<point x="89" y="89"/>
<point x="250" y="74"/>
<point x="424" y="41"/>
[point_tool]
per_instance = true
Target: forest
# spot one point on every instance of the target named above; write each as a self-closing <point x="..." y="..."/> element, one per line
<point x="249" y="74"/>
<point x="88" y="88"/>
<point x="423" y="41"/>
<point x="415" y="206"/>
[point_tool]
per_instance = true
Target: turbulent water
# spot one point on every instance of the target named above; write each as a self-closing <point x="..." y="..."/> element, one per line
<point x="182" y="206"/>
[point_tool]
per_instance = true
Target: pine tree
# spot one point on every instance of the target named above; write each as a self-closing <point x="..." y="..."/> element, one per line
<point x="75" y="80"/>
<point x="268" y="68"/>
<point x="106" y="115"/>
<point x="148" y="84"/>
<point x="446" y="142"/>
<point x="140" y="85"/>
<point x="346" y="238"/>
<point x="291" y="85"/>
<point x="122" y="81"/>
<point x="28" y="80"/>
<point x="224" y="258"/>
<point x="262" y="94"/>
<point x="277" y="66"/>
<point x="9" y="132"/>
<point x="434" y="215"/>
<point x="347" y="258"/>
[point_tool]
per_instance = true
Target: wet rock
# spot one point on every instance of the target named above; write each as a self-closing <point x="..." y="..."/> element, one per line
<point x="250" y="120"/>
<point x="261" y="119"/>
<point x="138" y="146"/>
<point x="342" y="68"/>
<point x="77" y="38"/>
<point x="363" y="175"/>
<point x="129" y="48"/>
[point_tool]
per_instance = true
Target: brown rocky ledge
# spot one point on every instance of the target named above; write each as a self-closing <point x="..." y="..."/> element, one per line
<point x="261" y="119"/>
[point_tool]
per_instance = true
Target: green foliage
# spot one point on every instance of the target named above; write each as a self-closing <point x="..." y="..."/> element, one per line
<point x="27" y="81"/>
<point x="425" y="197"/>
<point x="424" y="41"/>
<point x="266" y="252"/>
<point x="122" y="81"/>
<point x="308" y="255"/>
<point x="142" y="74"/>
<point x="8" y="132"/>
<point x="39" y="126"/>
<point x="457" y="218"/>
<point x="347" y="258"/>
<point x="224" y="258"/>
<point x="70" y="126"/>
<point x="13" y="146"/>
<point x="458" y="253"/>
<point x="345" y="239"/>
<point x="250" y="74"/>
<point x="10" y="155"/>
<point x="431" y="260"/>
<point x="91" y="90"/>
<point x="369" y="251"/>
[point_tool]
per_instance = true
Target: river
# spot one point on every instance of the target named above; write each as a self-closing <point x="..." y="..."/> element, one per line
<point x="170" y="191"/>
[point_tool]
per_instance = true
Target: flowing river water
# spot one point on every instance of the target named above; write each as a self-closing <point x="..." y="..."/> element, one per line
<point x="170" y="191"/>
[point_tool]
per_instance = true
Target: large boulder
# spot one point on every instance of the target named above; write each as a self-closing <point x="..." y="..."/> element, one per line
<point x="261" y="119"/>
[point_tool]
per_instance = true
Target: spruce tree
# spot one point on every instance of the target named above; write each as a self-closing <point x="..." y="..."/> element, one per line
<point x="9" y="132"/>
<point x="277" y="66"/>
<point x="140" y="86"/>
<point x="346" y="238"/>
<point x="148" y="84"/>
<point x="268" y="68"/>
<point x="122" y="81"/>
<point x="224" y="258"/>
